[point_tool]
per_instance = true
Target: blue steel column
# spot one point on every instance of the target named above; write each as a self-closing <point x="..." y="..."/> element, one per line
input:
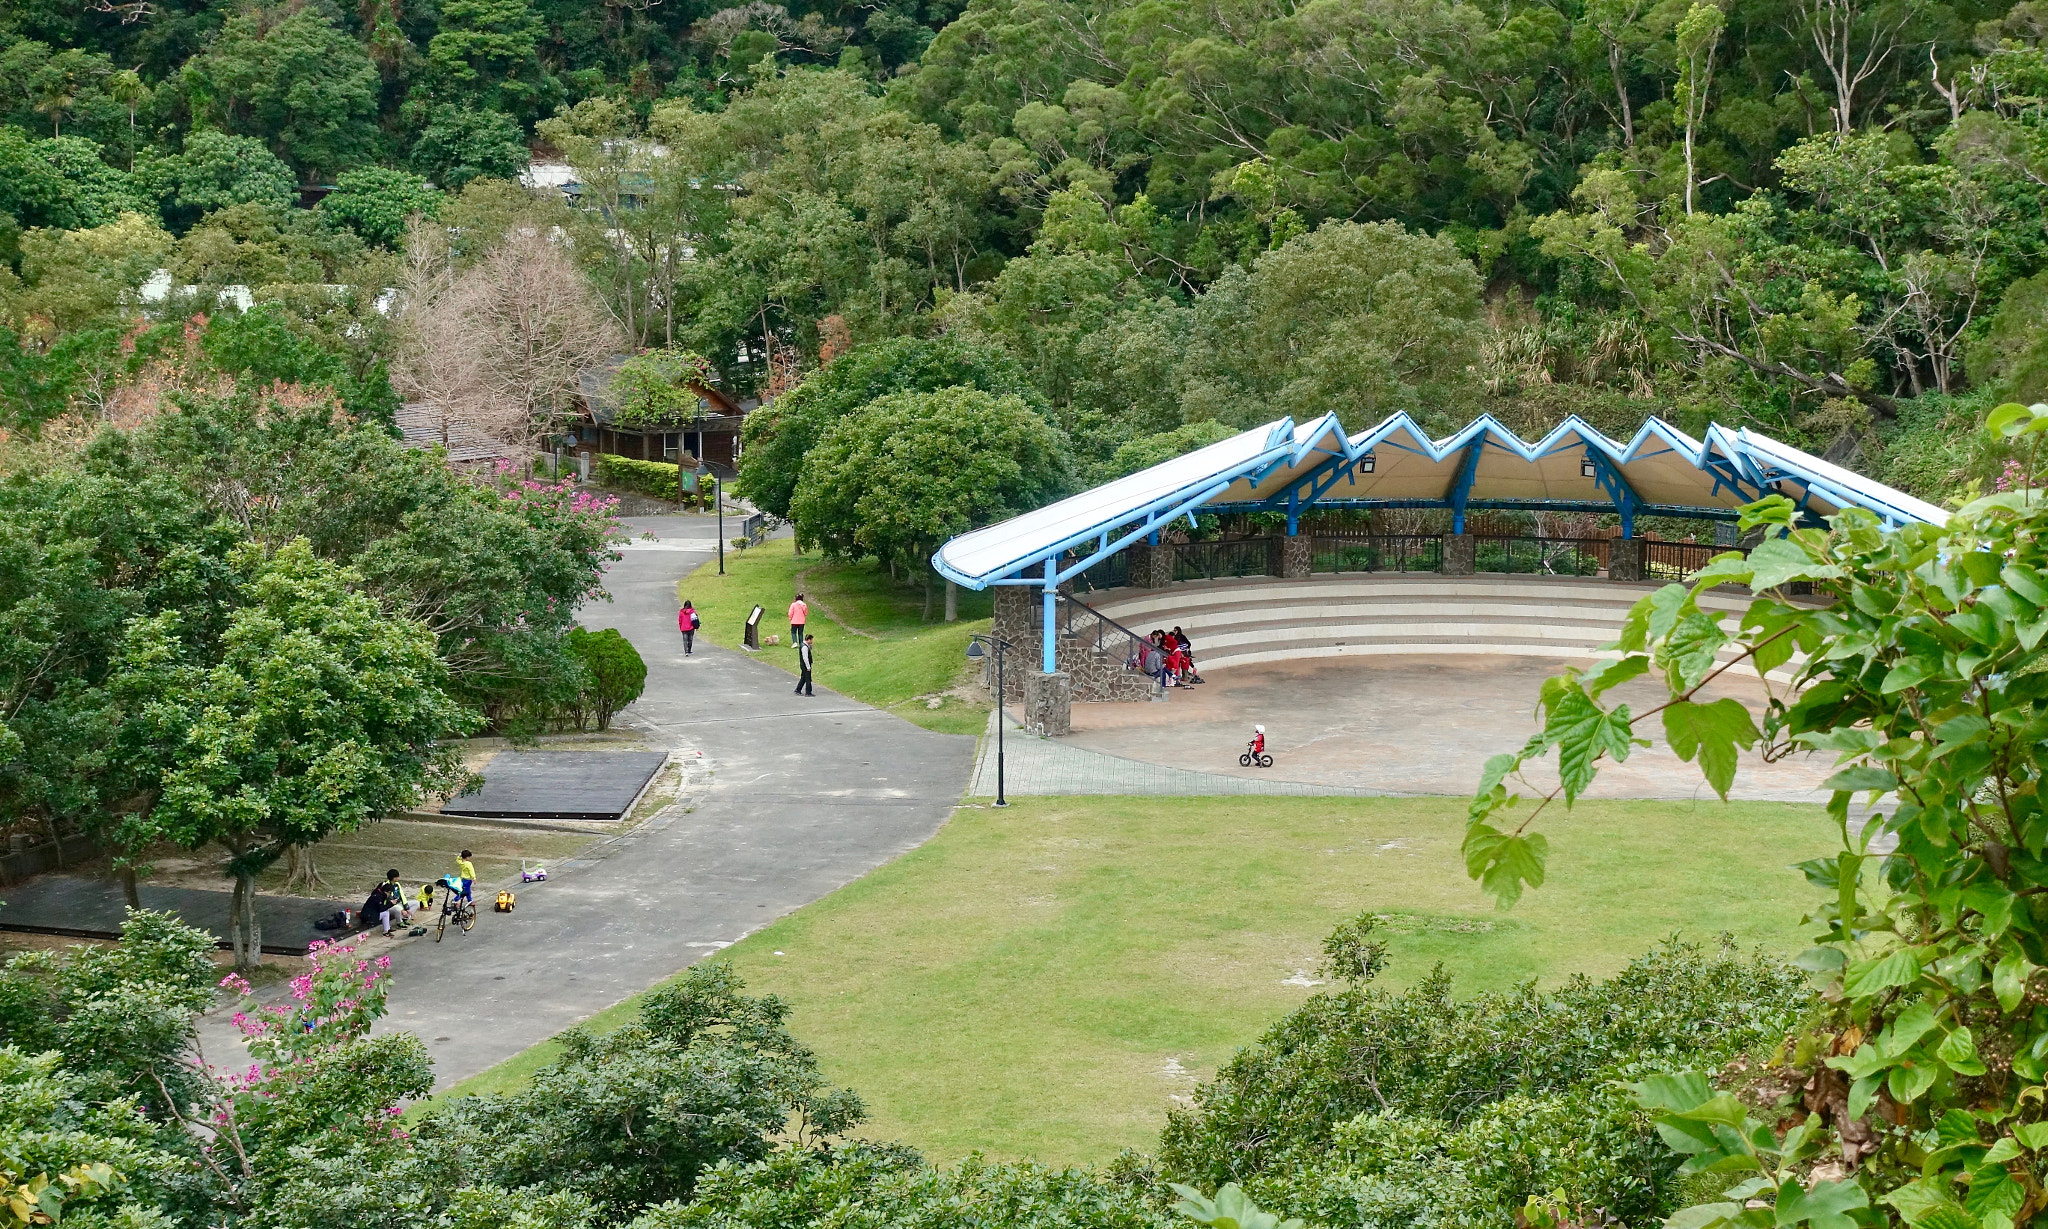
<point x="1051" y="635"/>
<point x="1461" y="487"/>
<point x="1293" y="511"/>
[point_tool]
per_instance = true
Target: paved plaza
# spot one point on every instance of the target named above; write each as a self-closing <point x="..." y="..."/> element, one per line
<point x="1394" y="725"/>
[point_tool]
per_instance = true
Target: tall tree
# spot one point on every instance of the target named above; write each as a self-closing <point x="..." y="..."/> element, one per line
<point x="315" y="711"/>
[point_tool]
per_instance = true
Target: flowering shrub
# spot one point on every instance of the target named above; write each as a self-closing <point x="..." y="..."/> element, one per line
<point x="335" y="1003"/>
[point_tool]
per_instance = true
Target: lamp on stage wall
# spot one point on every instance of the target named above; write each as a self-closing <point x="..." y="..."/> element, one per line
<point x="1365" y="463"/>
<point x="1587" y="469"/>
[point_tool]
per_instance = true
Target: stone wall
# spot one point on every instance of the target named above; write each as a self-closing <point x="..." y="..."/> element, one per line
<point x="1297" y="554"/>
<point x="1094" y="673"/>
<point x="1625" y="559"/>
<point x="1461" y="554"/>
<point x="1049" y="703"/>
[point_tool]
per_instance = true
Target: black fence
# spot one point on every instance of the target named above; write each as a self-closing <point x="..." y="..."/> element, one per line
<point x="1538" y="556"/>
<point x="1223" y="557"/>
<point x="1377" y="553"/>
<point x="1677" y="560"/>
<point x="1331" y="553"/>
<point x="1112" y="573"/>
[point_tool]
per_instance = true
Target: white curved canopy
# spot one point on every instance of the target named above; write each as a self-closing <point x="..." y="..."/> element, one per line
<point x="1291" y="467"/>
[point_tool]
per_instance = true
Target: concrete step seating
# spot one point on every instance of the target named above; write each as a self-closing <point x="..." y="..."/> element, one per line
<point x="1245" y="620"/>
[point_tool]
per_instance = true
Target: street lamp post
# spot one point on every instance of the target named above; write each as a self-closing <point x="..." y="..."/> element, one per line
<point x="975" y="653"/>
<point x="704" y="477"/>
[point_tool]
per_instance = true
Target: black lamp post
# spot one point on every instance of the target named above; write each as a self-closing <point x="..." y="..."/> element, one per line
<point x="717" y="488"/>
<point x="975" y="653"/>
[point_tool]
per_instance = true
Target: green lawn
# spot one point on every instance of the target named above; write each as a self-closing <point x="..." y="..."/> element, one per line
<point x="1042" y="980"/>
<point x="901" y="664"/>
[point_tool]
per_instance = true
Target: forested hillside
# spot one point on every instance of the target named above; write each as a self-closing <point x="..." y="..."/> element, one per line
<point x="1822" y="215"/>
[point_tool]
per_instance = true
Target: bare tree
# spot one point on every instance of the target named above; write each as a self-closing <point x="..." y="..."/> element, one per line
<point x="500" y="347"/>
<point x="1855" y="39"/>
<point x="439" y="366"/>
<point x="537" y="326"/>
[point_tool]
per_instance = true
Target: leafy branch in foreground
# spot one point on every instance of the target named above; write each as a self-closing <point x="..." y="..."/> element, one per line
<point x="1921" y="1095"/>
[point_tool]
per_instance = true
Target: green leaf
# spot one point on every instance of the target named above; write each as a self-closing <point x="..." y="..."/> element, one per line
<point x="1583" y="731"/>
<point x="1672" y="1092"/>
<point x="2009" y="979"/>
<point x="1688" y="653"/>
<point x="1867" y="977"/>
<point x="1994" y="1197"/>
<point x="1925" y="1204"/>
<point x="1728" y="568"/>
<point x="1907" y="1028"/>
<point x="1959" y="1051"/>
<point x="2004" y="1150"/>
<point x="2026" y="582"/>
<point x="1503" y="863"/>
<point x="2013" y="419"/>
<point x="2034" y="1135"/>
<point x="1703" y="1216"/>
<point x="1858" y="777"/>
<point x="1715" y="733"/>
<point x="1776" y="561"/>
<point x="1909" y="1079"/>
<point x="1614" y="672"/>
<point x="1909" y="673"/>
<point x="1770" y="510"/>
<point x="1820" y="959"/>
<point x="1497" y="769"/>
<point x="1826" y="1206"/>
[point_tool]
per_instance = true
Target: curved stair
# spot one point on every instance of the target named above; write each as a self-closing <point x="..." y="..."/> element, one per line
<point x="1245" y="620"/>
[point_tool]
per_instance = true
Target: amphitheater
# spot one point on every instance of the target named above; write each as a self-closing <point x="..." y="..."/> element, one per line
<point x="1379" y="662"/>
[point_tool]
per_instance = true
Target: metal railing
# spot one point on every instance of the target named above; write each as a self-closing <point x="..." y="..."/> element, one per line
<point x="1679" y="560"/>
<point x="1089" y="625"/>
<point x="1223" y="557"/>
<point x="1376" y="553"/>
<point x="1112" y="573"/>
<point x="1538" y="556"/>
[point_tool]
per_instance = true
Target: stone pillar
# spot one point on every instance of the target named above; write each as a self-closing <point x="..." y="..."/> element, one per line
<point x="1460" y="554"/>
<point x="1016" y="620"/>
<point x="1151" y="566"/>
<point x="1296" y="554"/>
<point x="1726" y="534"/>
<point x="1625" y="559"/>
<point x="1049" y="703"/>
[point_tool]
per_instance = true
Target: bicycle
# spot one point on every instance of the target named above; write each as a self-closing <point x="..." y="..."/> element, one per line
<point x="1251" y="757"/>
<point x="453" y="906"/>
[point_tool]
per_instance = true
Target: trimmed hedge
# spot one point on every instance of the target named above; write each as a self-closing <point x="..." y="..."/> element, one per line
<point x="656" y="478"/>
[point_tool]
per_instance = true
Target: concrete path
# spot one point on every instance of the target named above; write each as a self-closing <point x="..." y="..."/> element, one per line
<point x="801" y="797"/>
<point x="1056" y="767"/>
<point x="1405" y="725"/>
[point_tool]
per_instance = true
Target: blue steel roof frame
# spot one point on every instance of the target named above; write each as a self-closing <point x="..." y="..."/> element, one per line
<point x="1280" y="444"/>
<point x="1747" y="466"/>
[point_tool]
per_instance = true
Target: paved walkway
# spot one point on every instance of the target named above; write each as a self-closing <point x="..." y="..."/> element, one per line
<point x="1406" y="725"/>
<point x="801" y="797"/>
<point x="1044" y="766"/>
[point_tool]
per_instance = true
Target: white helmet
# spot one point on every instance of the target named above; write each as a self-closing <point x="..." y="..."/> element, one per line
<point x="1258" y="729"/>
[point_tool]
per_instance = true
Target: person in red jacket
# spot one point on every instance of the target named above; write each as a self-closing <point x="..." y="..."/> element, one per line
<point x="687" y="623"/>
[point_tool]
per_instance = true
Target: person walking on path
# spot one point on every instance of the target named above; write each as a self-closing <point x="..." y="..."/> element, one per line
<point x="687" y="623"/>
<point x="799" y="614"/>
<point x="803" y="661"/>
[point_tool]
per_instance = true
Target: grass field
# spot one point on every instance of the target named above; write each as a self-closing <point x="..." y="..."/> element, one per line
<point x="902" y="663"/>
<point x="1042" y="980"/>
